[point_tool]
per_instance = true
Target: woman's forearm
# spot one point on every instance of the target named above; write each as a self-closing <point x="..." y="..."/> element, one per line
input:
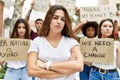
<point x="70" y="66"/>
<point x="35" y="70"/>
<point x="42" y="73"/>
<point x="67" y="67"/>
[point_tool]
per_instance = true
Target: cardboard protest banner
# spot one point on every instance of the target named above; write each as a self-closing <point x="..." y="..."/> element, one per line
<point x="13" y="49"/>
<point x="98" y="13"/>
<point x="41" y="5"/>
<point x="68" y="4"/>
<point x="97" y="50"/>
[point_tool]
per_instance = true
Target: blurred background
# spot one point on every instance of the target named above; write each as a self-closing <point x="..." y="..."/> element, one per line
<point x="7" y="8"/>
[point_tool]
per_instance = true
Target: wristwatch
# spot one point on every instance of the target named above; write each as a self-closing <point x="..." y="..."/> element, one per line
<point x="47" y="65"/>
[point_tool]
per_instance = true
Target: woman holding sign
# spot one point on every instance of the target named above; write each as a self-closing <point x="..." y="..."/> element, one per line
<point x="89" y="30"/>
<point x="55" y="53"/>
<point x="101" y="71"/>
<point x="17" y="69"/>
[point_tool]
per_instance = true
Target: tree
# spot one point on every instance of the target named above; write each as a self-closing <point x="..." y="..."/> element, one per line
<point x="17" y="12"/>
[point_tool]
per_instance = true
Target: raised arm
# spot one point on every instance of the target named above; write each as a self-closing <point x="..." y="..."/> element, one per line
<point x="29" y="12"/>
<point x="116" y="27"/>
<point x="78" y="28"/>
<point x="77" y="11"/>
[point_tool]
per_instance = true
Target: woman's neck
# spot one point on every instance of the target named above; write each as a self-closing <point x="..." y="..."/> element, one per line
<point x="54" y="40"/>
<point x="21" y="37"/>
<point x="104" y="37"/>
<point x="54" y="35"/>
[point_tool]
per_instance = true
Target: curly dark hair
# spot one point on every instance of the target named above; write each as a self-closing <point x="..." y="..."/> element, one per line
<point x="93" y="24"/>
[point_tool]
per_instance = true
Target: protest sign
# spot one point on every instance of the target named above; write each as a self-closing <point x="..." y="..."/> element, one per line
<point x="97" y="50"/>
<point x="68" y="4"/>
<point x="13" y="49"/>
<point x="98" y="13"/>
<point x="41" y="5"/>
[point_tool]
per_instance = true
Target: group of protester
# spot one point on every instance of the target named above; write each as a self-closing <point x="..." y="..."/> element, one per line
<point x="55" y="54"/>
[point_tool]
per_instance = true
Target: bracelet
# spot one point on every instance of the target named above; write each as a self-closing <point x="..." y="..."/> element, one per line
<point x="47" y="65"/>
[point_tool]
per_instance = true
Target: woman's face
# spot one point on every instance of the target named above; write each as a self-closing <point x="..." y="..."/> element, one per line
<point x="90" y="32"/>
<point x="21" y="30"/>
<point x="106" y="29"/>
<point x="58" y="21"/>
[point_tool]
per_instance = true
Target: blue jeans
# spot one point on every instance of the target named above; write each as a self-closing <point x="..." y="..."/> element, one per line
<point x="95" y="75"/>
<point x="16" y="74"/>
<point x="84" y="75"/>
<point x="33" y="78"/>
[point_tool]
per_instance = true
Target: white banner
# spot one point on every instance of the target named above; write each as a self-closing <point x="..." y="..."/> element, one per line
<point x="98" y="13"/>
<point x="41" y="5"/>
<point x="68" y="4"/>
